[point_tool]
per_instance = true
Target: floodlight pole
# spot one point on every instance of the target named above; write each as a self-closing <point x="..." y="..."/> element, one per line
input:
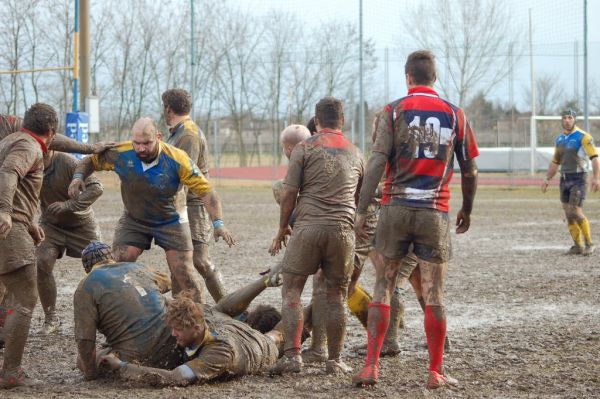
<point x="193" y="58"/>
<point x="84" y="52"/>
<point x="532" y="128"/>
<point x="586" y="115"/>
<point x="76" y="59"/>
<point x="361" y="117"/>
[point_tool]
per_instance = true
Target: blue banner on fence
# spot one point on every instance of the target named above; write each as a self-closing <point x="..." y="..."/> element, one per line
<point x="78" y="127"/>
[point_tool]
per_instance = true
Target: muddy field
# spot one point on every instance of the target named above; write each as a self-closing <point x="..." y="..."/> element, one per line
<point x="522" y="317"/>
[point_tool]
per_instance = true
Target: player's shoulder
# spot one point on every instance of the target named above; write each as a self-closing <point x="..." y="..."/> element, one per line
<point x="176" y="154"/>
<point x="190" y="127"/>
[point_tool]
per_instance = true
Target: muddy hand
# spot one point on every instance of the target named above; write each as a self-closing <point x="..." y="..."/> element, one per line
<point x="111" y="361"/>
<point x="280" y="240"/>
<point x="56" y="208"/>
<point x="225" y="234"/>
<point x="77" y="186"/>
<point x="5" y="224"/>
<point x="359" y="226"/>
<point x="463" y="222"/>
<point x="100" y="147"/>
<point x="37" y="233"/>
<point x="595" y="184"/>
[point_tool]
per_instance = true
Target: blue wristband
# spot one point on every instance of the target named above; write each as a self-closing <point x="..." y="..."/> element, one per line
<point x="217" y="224"/>
<point x="78" y="175"/>
<point x="122" y="365"/>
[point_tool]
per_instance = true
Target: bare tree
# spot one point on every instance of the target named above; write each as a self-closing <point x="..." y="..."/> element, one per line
<point x="470" y="39"/>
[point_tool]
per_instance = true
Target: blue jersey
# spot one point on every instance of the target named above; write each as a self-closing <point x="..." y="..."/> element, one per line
<point x="152" y="192"/>
<point x="572" y="151"/>
<point x="124" y="303"/>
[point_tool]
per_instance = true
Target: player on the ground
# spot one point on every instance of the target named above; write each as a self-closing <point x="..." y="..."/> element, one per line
<point x="417" y="138"/>
<point x="152" y="174"/>
<point x="69" y="226"/>
<point x="21" y="175"/>
<point x="321" y="185"/>
<point x="123" y="301"/>
<point x="572" y="150"/>
<point x="213" y="345"/>
<point x="187" y="136"/>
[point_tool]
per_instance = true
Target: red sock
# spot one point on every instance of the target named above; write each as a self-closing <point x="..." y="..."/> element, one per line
<point x="435" y="330"/>
<point x="377" y="325"/>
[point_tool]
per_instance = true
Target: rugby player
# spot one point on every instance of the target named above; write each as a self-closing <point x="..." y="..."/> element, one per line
<point x="152" y="174"/>
<point x="417" y="138"/>
<point x="187" y="136"/>
<point x="69" y="226"/>
<point x="572" y="150"/>
<point x="21" y="175"/>
<point x="321" y="184"/>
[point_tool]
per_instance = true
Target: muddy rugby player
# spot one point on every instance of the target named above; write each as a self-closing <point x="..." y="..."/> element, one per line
<point x="417" y="137"/>
<point x="321" y="184"/>
<point x="187" y="136"/>
<point x="69" y="226"/>
<point x="152" y="174"/>
<point x="172" y="343"/>
<point x="21" y="176"/>
<point x="571" y="152"/>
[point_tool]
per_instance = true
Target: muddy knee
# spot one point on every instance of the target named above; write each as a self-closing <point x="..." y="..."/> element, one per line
<point x="45" y="260"/>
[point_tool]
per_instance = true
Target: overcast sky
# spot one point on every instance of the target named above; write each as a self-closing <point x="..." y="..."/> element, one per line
<point x="557" y="24"/>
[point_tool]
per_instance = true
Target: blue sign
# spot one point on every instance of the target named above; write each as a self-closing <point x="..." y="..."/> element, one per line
<point x="78" y="127"/>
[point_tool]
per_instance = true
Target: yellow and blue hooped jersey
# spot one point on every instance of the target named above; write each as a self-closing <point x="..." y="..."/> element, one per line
<point x="152" y="193"/>
<point x="572" y="151"/>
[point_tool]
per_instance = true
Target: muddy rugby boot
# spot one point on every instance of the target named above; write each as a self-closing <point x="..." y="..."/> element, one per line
<point x="51" y="325"/>
<point x="575" y="250"/>
<point x="311" y="355"/>
<point x="437" y="380"/>
<point x="337" y="367"/>
<point x="15" y="378"/>
<point x="368" y="376"/>
<point x="588" y="250"/>
<point x="286" y="365"/>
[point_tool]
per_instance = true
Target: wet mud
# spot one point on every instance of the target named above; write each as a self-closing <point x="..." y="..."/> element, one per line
<point x="523" y="318"/>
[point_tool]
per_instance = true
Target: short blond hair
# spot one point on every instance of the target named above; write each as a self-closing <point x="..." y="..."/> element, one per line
<point x="184" y="312"/>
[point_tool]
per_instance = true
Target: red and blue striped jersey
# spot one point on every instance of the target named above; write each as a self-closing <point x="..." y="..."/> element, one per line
<point x="420" y="134"/>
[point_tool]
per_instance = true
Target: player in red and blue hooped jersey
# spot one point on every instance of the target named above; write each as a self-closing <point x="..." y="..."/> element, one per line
<point x="572" y="150"/>
<point x="429" y="132"/>
<point x="418" y="137"/>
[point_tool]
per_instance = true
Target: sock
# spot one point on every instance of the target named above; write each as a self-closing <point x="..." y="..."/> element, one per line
<point x="435" y="331"/>
<point x="584" y="225"/>
<point x="358" y="303"/>
<point x="379" y="320"/>
<point x="576" y="233"/>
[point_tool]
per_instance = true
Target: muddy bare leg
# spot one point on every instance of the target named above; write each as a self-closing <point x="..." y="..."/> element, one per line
<point x="46" y="258"/>
<point x="238" y="301"/>
<point x="22" y="285"/>
<point x="212" y="277"/>
<point x="180" y="265"/>
<point x="319" y="314"/>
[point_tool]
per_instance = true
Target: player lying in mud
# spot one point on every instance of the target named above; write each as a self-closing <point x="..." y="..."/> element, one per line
<point x="203" y="342"/>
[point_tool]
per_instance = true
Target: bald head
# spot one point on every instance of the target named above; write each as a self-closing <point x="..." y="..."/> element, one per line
<point x="144" y="127"/>
<point x="145" y="137"/>
<point x="292" y="135"/>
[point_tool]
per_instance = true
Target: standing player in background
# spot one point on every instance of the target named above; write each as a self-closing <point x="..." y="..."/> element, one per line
<point x="417" y="138"/>
<point x="571" y="152"/>
<point x="187" y="136"/>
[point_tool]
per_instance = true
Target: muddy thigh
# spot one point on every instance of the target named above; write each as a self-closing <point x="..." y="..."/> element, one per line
<point x="433" y="276"/>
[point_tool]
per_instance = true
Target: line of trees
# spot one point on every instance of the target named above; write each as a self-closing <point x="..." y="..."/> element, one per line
<point x="255" y="70"/>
